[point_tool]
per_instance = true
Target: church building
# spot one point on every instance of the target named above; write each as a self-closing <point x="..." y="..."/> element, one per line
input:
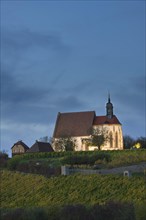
<point x="78" y="126"/>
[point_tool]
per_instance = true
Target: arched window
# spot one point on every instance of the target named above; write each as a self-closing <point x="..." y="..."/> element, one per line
<point x="116" y="140"/>
<point x="111" y="140"/>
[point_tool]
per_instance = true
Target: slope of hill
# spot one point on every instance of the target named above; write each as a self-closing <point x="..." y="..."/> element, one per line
<point x="48" y="163"/>
<point x="29" y="190"/>
<point x="95" y="197"/>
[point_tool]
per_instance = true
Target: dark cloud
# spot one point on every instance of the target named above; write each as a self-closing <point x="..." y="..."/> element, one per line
<point x="31" y="53"/>
<point x="27" y="114"/>
<point x="69" y="103"/>
<point x="22" y="39"/>
<point x="43" y="112"/>
<point x="34" y="104"/>
<point x="130" y="104"/>
<point x="13" y="92"/>
<point x="139" y="83"/>
<point x="27" y="87"/>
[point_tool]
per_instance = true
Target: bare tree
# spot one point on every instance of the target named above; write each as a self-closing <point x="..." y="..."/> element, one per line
<point x="128" y="142"/>
<point x="64" y="144"/>
<point x="99" y="136"/>
<point x="142" y="141"/>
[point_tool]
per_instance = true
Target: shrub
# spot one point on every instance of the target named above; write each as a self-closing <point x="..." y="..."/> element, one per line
<point x="13" y="214"/>
<point x="25" y="214"/>
<point x="140" y="211"/>
<point x="13" y="162"/>
<point x="36" y="214"/>
<point x="86" y="159"/>
<point x="73" y="212"/>
<point x="110" y="211"/>
<point x="3" y="159"/>
<point x="38" y="168"/>
<point x="113" y="211"/>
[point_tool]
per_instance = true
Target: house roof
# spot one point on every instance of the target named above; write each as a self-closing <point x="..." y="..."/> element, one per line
<point x="22" y="144"/>
<point x="100" y="120"/>
<point x="40" y="147"/>
<point x="73" y="124"/>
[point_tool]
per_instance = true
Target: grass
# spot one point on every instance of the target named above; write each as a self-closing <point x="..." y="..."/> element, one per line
<point x="106" y="159"/>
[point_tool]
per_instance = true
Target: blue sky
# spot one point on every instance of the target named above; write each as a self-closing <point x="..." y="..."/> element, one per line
<point x="64" y="56"/>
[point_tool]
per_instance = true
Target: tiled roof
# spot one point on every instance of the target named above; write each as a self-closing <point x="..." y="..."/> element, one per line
<point x="40" y="147"/>
<point x="100" y="120"/>
<point x="73" y="124"/>
<point x="22" y="144"/>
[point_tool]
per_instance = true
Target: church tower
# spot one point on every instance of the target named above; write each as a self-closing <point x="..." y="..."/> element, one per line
<point x="109" y="108"/>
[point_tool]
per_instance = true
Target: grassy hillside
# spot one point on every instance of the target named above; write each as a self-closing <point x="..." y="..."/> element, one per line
<point x="49" y="161"/>
<point x="33" y="196"/>
<point x="29" y="190"/>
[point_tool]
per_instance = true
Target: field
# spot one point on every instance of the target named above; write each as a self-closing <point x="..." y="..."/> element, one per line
<point x="26" y="190"/>
<point x="76" y="192"/>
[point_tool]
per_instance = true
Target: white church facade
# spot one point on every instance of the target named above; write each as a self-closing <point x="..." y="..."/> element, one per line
<point x="78" y="126"/>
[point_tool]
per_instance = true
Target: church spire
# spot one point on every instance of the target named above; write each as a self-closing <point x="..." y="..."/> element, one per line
<point x="109" y="108"/>
<point x="109" y="100"/>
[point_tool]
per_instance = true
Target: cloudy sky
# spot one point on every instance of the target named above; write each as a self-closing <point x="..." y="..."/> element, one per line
<point x="64" y="56"/>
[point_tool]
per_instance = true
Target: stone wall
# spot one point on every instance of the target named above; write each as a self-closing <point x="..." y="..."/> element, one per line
<point x="125" y="170"/>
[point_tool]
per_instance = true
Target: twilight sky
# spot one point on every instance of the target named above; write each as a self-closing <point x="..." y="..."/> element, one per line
<point x="64" y="56"/>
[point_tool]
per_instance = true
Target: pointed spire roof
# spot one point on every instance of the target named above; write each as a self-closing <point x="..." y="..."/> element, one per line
<point x="109" y="108"/>
<point x="109" y="100"/>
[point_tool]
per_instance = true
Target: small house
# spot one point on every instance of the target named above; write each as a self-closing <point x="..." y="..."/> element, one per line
<point x="39" y="146"/>
<point x="19" y="148"/>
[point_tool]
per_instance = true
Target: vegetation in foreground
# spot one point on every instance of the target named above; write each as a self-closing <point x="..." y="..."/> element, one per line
<point x="75" y="197"/>
<point x="29" y="190"/>
<point x="31" y="196"/>
<point x="49" y="164"/>
<point x="110" y="211"/>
